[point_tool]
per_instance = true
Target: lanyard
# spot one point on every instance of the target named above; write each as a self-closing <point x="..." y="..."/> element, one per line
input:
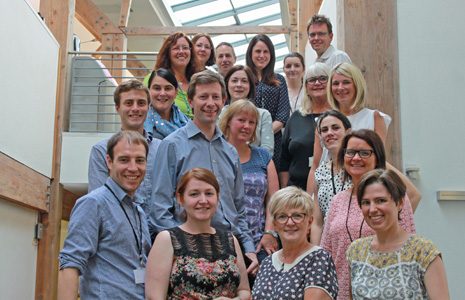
<point x="138" y="242"/>
<point x="347" y="220"/>
<point x="332" y="181"/>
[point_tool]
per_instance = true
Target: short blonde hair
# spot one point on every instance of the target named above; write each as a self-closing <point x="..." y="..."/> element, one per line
<point x="317" y="69"/>
<point x="353" y="72"/>
<point x="291" y="197"/>
<point x="237" y="107"/>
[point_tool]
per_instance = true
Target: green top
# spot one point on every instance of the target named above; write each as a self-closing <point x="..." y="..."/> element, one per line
<point x="182" y="103"/>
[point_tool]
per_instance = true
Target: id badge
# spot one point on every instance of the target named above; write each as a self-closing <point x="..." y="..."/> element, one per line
<point x="139" y="275"/>
<point x="310" y="161"/>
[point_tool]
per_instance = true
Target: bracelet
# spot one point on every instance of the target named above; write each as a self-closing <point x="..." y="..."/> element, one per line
<point x="272" y="232"/>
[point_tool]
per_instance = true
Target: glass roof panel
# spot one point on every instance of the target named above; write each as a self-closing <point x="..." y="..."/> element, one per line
<point x="241" y="3"/>
<point x="199" y="11"/>
<point x="261" y="12"/>
<point x="221" y="22"/>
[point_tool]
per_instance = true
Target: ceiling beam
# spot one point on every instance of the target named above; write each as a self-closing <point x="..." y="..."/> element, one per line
<point x="124" y="13"/>
<point x="94" y="20"/>
<point x="212" y="30"/>
<point x="22" y="185"/>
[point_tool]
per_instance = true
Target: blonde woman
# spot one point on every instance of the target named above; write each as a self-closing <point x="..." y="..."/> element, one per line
<point x="299" y="134"/>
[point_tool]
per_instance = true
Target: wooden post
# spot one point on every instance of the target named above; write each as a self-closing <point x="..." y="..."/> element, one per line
<point x="367" y="30"/>
<point x="293" y="23"/>
<point x="115" y="63"/>
<point x="58" y="15"/>
<point x="306" y="8"/>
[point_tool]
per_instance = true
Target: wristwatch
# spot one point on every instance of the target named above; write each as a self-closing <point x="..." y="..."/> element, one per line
<point x="272" y="232"/>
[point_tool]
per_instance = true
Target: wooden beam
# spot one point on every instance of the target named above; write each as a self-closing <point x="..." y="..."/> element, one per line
<point x="306" y="9"/>
<point x="94" y="20"/>
<point x="136" y="68"/>
<point x="22" y="185"/>
<point x="115" y="63"/>
<point x="69" y="199"/>
<point x="369" y="32"/>
<point x="58" y="16"/>
<point x="237" y="29"/>
<point x="124" y="13"/>
<point x="293" y="22"/>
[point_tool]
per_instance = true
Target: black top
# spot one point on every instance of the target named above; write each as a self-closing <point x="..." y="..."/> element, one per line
<point x="297" y="147"/>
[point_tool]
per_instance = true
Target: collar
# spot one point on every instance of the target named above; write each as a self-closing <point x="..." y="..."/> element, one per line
<point x="192" y="130"/>
<point x="328" y="52"/>
<point x="147" y="136"/>
<point x="119" y="192"/>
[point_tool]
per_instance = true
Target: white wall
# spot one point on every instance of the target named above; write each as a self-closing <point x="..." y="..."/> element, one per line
<point x="18" y="252"/>
<point x="75" y="158"/>
<point x="28" y="75"/>
<point x="29" y="60"/>
<point x="432" y="78"/>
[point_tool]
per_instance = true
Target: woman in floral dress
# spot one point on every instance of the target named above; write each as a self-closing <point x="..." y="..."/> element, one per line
<point x="195" y="260"/>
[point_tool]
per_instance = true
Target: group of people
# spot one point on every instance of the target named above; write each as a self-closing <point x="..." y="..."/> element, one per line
<point x="205" y="193"/>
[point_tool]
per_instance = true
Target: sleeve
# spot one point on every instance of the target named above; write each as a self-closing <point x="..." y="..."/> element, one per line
<point x="321" y="273"/>
<point x="81" y="242"/>
<point x="353" y="250"/>
<point x="243" y="235"/>
<point x="387" y="119"/>
<point x="163" y="199"/>
<point x="426" y="252"/>
<point x="284" y="106"/>
<point x="266" y="132"/>
<point x="341" y="57"/>
<point x="406" y="216"/>
<point x="285" y="154"/>
<point x="97" y="172"/>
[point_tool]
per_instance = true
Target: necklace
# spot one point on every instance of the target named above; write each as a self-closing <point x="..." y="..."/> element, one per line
<point x="297" y="98"/>
<point x="347" y="219"/>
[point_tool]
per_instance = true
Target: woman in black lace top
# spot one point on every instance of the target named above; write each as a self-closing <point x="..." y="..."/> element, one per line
<point x="195" y="260"/>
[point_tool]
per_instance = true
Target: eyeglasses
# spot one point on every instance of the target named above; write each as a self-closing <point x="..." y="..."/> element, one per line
<point x="321" y="79"/>
<point x="181" y="48"/>
<point x="314" y="34"/>
<point x="204" y="46"/>
<point x="296" y="218"/>
<point x="362" y="153"/>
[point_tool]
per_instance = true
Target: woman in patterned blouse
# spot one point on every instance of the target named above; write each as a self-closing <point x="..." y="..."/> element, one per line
<point x="239" y="124"/>
<point x="300" y="270"/>
<point x="164" y="116"/>
<point x="195" y="260"/>
<point x="392" y="264"/>
<point x="271" y="88"/>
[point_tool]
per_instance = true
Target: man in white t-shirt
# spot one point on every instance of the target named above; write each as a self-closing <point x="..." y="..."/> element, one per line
<point x="320" y="35"/>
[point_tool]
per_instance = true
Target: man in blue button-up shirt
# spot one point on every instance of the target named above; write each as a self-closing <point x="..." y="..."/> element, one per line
<point x="132" y="100"/>
<point x="200" y="144"/>
<point x="108" y="238"/>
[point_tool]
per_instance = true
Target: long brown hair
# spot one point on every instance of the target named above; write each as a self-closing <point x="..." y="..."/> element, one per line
<point x="163" y="58"/>
<point x="268" y="74"/>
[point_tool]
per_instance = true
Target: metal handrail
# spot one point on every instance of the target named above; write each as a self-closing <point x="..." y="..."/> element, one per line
<point x="94" y="77"/>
